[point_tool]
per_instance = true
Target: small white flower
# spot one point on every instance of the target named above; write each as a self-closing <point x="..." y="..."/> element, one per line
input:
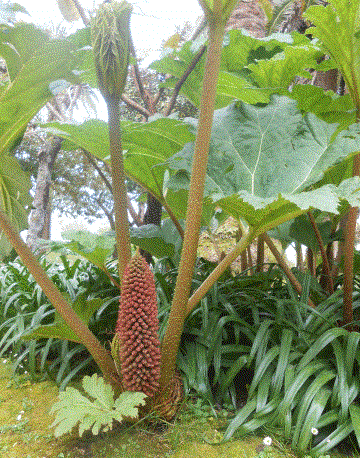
<point x="328" y="441"/>
<point x="26" y="372"/>
<point x="267" y="441"/>
<point x="314" y="431"/>
<point x="18" y="418"/>
<point x="5" y="361"/>
<point x="22" y="412"/>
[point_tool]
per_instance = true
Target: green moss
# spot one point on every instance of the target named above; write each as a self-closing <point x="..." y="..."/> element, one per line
<point x="195" y="434"/>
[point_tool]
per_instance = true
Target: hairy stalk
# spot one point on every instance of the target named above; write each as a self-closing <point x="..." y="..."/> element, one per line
<point x="132" y="104"/>
<point x="349" y="242"/>
<point x="182" y="80"/>
<point x="282" y="263"/>
<point x="178" y="312"/>
<point x="299" y="257"/>
<point x="250" y="261"/>
<point x="311" y="261"/>
<point x="243" y="261"/>
<point x="260" y="253"/>
<point x="100" y="355"/>
<point x="110" y="33"/>
<point x="173" y="218"/>
<point x="219" y="270"/>
<point x="326" y="267"/>
<point x="118" y="186"/>
<point x="348" y="266"/>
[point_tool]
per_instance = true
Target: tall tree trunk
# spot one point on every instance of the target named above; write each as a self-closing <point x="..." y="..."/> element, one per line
<point x="46" y="232"/>
<point x="39" y="222"/>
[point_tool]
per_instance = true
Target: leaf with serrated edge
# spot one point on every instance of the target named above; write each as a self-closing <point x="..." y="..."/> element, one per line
<point x="336" y="27"/>
<point x="262" y="160"/>
<point x="101" y="392"/>
<point x="146" y="146"/>
<point x="73" y="408"/>
<point x="126" y="405"/>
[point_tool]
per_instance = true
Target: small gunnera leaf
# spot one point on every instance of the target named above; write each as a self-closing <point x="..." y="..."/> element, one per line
<point x="127" y="404"/>
<point x="99" y="390"/>
<point x="74" y="409"/>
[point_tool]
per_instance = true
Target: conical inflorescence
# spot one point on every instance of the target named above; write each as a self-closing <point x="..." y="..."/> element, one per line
<point x="137" y="329"/>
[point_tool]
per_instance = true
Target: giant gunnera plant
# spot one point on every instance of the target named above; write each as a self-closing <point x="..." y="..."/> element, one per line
<point x="137" y="363"/>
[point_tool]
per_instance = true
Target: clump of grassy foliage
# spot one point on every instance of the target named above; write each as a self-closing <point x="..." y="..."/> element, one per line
<point x="24" y="307"/>
<point x="251" y="347"/>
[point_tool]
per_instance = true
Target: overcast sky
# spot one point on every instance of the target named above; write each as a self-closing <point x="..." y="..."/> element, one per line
<point x="152" y="21"/>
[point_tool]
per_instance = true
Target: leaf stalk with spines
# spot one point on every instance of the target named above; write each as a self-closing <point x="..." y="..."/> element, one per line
<point x="119" y="188"/>
<point x="326" y="266"/>
<point x="171" y="340"/>
<point x="98" y="352"/>
<point x="111" y="45"/>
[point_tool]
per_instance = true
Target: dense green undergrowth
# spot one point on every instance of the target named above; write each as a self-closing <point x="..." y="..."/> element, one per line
<point x="251" y="348"/>
<point x="25" y="430"/>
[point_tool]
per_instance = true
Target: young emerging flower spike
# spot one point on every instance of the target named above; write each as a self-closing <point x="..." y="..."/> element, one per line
<point x="137" y="329"/>
<point x="110" y="32"/>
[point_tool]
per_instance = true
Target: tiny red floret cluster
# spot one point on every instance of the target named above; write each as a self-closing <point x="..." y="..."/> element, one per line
<point x="137" y="329"/>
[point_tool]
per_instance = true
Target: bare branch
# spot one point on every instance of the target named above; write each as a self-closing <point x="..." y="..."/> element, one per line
<point x="93" y="162"/>
<point x="132" y="104"/>
<point x="145" y="96"/>
<point x="183" y="79"/>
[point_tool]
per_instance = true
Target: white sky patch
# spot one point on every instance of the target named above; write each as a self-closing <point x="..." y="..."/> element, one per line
<point x="152" y="22"/>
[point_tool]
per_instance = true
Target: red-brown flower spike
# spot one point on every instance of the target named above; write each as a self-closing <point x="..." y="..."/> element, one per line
<point x="137" y="329"/>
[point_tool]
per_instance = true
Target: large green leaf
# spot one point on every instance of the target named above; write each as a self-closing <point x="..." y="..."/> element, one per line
<point x="240" y="51"/>
<point x="159" y="241"/>
<point x="176" y="65"/>
<point x="40" y="63"/>
<point x="262" y="159"/>
<point x="18" y="43"/>
<point x="337" y="28"/>
<point x="146" y="146"/>
<point x="325" y="104"/>
<point x="35" y="64"/>
<point x="15" y="199"/>
<point x="280" y="71"/>
<point x="81" y="41"/>
<point x="96" y="248"/>
<point x="59" y="329"/>
<point x="267" y="150"/>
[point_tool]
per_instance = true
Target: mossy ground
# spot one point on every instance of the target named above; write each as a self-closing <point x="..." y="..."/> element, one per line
<point x="193" y="435"/>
